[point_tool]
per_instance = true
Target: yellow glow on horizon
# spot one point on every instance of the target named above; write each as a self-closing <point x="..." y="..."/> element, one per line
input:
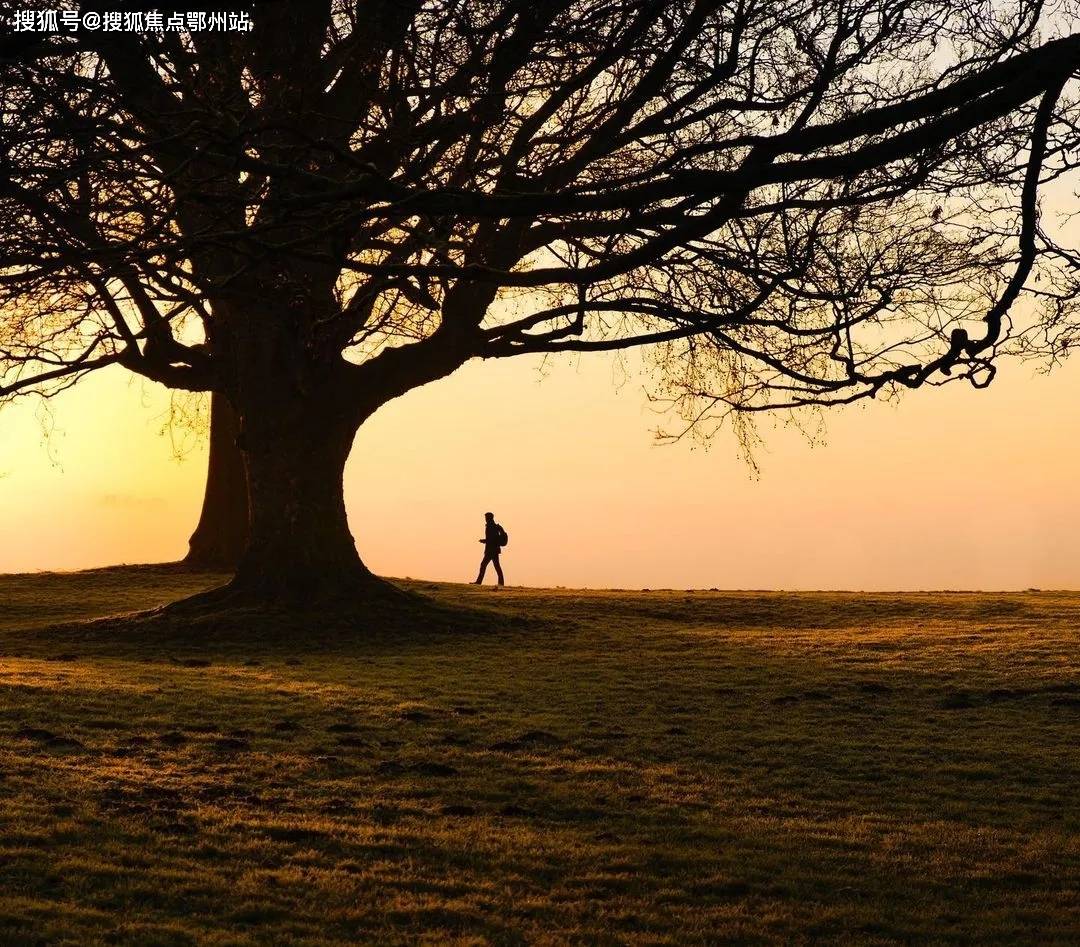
<point x="951" y="488"/>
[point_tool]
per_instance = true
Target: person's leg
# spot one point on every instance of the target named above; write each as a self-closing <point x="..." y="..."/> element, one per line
<point x="483" y="569"/>
<point x="498" y="569"/>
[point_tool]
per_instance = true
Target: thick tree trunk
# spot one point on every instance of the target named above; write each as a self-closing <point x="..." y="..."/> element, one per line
<point x="299" y="410"/>
<point x="300" y="551"/>
<point x="222" y="534"/>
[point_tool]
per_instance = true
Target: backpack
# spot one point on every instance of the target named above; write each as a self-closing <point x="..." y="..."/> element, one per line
<point x="504" y="538"/>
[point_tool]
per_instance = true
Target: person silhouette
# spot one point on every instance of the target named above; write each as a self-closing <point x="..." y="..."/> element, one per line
<point x="494" y="539"/>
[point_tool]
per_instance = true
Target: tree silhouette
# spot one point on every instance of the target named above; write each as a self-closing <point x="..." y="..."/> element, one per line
<point x="783" y="204"/>
<point x="221" y="535"/>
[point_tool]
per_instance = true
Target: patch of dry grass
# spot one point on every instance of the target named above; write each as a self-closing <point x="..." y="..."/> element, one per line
<point x="561" y="767"/>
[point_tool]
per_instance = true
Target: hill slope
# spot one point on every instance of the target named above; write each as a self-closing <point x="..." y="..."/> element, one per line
<point x="656" y="767"/>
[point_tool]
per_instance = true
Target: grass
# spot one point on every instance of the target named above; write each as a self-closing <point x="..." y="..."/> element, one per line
<point x="539" y="766"/>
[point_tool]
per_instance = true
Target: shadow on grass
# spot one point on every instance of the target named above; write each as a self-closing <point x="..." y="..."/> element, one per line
<point x="406" y="618"/>
<point x="125" y="609"/>
<point x="808" y="610"/>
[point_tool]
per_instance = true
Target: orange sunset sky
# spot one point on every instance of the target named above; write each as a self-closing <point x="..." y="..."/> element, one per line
<point x="952" y="488"/>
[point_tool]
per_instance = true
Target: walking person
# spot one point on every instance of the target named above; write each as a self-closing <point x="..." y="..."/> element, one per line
<point x="495" y="538"/>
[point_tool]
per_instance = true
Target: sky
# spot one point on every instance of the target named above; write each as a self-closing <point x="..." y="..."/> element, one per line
<point x="949" y="488"/>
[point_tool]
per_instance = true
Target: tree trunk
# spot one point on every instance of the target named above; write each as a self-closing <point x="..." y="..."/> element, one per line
<point x="300" y="550"/>
<point x="222" y="534"/>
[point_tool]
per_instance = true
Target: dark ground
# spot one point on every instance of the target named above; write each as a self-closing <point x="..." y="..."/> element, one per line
<point x="561" y="767"/>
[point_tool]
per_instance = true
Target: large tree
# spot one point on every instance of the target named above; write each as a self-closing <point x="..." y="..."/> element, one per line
<point x="782" y="203"/>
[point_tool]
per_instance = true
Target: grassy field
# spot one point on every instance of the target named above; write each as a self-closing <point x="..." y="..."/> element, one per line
<point x="539" y="766"/>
